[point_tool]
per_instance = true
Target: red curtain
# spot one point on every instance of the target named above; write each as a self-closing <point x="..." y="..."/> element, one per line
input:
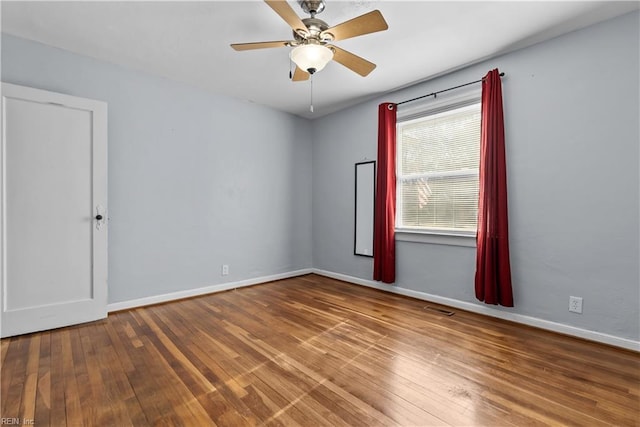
<point x="384" y="239"/>
<point x="493" y="270"/>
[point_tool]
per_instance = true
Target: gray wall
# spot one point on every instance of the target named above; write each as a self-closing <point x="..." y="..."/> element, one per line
<point x="572" y="132"/>
<point x="195" y="180"/>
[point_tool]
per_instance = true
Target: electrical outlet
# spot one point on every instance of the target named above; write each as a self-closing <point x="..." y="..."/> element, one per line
<point x="575" y="304"/>
<point x="225" y="269"/>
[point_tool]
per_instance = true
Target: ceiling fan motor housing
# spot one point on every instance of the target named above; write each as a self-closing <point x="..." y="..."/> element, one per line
<point x="315" y="27"/>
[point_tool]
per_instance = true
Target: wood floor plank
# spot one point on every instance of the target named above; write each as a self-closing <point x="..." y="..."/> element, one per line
<point x="313" y="351"/>
<point x="4" y="349"/>
<point x="84" y="367"/>
<point x="43" y="396"/>
<point x="28" y="403"/>
<point x="13" y="391"/>
<point x="71" y="367"/>
<point x="58" y="413"/>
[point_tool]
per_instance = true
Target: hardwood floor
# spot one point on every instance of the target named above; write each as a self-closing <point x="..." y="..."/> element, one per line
<point x="313" y="351"/>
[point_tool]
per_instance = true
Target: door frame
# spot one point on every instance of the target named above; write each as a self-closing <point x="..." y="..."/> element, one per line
<point x="85" y="310"/>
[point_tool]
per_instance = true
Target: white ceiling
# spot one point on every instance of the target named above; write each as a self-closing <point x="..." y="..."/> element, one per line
<point x="189" y="41"/>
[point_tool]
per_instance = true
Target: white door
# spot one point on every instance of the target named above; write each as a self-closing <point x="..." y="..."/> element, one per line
<point x="53" y="195"/>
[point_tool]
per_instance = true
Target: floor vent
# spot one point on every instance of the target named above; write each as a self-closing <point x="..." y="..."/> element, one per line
<point x="439" y="310"/>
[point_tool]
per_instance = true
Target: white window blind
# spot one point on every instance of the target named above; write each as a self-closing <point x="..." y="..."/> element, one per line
<point x="437" y="171"/>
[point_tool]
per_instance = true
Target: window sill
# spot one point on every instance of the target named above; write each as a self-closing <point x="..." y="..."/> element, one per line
<point x="404" y="235"/>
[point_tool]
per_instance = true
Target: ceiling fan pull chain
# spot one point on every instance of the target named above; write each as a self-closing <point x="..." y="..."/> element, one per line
<point x="311" y="86"/>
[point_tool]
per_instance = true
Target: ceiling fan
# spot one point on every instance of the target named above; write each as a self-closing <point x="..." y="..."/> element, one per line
<point x="312" y="37"/>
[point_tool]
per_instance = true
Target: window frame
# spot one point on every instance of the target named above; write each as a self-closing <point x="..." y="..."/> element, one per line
<point x="417" y="110"/>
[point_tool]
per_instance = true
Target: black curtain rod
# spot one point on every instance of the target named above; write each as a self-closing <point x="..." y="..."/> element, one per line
<point x="434" y="94"/>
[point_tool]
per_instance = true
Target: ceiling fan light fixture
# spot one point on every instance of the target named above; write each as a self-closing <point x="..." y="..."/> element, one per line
<point x="311" y="57"/>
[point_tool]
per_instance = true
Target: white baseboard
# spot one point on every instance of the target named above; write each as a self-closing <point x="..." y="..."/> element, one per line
<point x="157" y="299"/>
<point x="488" y="311"/>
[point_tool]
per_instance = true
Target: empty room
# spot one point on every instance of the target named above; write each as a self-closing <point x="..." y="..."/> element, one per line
<point x="320" y="213"/>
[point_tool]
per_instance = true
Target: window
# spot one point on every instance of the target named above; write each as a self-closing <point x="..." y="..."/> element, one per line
<point x="438" y="154"/>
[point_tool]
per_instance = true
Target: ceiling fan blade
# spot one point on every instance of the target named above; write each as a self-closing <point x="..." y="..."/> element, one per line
<point x="282" y="8"/>
<point x="260" y="45"/>
<point x="364" y="24"/>
<point x="352" y="62"/>
<point x="300" y="75"/>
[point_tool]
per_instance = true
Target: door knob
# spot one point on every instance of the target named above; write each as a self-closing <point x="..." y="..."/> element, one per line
<point x="100" y="217"/>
